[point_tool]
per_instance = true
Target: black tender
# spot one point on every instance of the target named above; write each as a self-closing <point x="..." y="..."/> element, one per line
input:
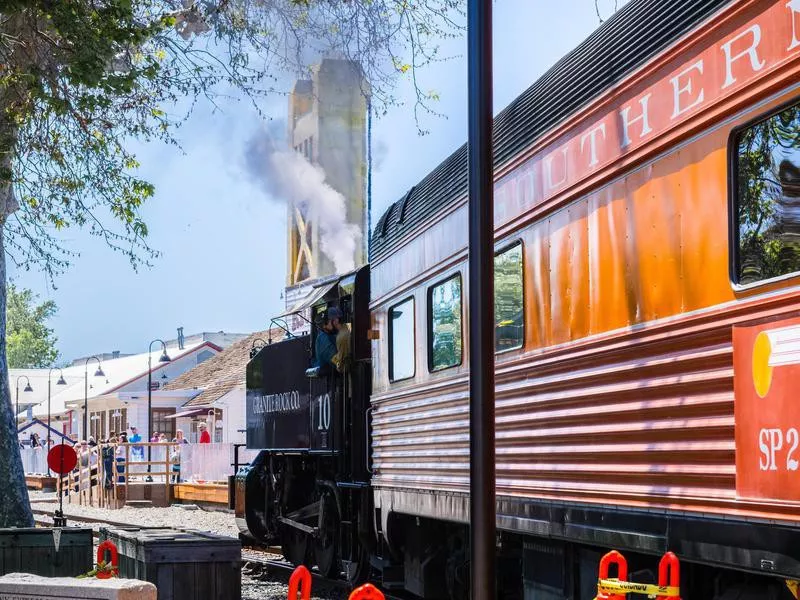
<point x="636" y="33"/>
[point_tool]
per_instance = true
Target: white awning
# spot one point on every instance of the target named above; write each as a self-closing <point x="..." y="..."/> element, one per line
<point x="188" y="413"/>
<point x="313" y="297"/>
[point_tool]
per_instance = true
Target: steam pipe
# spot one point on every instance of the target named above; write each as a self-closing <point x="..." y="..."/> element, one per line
<point x="481" y="301"/>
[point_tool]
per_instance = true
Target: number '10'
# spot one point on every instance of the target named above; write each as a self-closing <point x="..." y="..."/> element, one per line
<point x="324" y="412"/>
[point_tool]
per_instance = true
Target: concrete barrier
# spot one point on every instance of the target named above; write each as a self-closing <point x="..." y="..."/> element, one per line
<point x="22" y="586"/>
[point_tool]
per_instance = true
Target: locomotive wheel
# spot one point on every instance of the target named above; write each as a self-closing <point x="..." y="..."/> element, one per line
<point x="356" y="567"/>
<point x="326" y="551"/>
<point x="294" y="544"/>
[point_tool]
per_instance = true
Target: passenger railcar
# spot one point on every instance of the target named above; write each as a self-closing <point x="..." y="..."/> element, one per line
<point x="647" y="219"/>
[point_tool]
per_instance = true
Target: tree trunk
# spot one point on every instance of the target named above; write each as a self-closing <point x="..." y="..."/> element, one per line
<point x="15" y="506"/>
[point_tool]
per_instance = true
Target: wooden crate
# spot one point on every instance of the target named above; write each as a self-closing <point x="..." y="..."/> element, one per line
<point x="183" y="564"/>
<point x="33" y="550"/>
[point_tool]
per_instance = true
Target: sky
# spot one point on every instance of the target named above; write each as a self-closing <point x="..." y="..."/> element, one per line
<point x="223" y="240"/>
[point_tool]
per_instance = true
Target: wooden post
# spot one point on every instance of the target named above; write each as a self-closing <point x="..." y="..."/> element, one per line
<point x="166" y="472"/>
<point x="125" y="473"/>
<point x="100" y="476"/>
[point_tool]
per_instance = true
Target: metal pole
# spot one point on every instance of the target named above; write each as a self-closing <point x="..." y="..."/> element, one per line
<point x="481" y="301"/>
<point x="48" y="420"/>
<point x="86" y="401"/>
<point x="16" y="415"/>
<point x="149" y="406"/>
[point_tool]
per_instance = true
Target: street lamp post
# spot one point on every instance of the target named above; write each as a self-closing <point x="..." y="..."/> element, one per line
<point x="28" y="388"/>
<point x="59" y="382"/>
<point x="98" y="373"/>
<point x="164" y="358"/>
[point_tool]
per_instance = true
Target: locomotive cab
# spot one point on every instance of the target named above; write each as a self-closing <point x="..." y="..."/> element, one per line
<point x="308" y="490"/>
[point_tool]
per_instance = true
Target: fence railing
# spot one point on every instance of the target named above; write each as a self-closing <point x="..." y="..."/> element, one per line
<point x="102" y="469"/>
<point x="198" y="462"/>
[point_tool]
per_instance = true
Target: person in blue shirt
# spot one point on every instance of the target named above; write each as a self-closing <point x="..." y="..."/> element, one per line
<point x="325" y="344"/>
<point x="137" y="452"/>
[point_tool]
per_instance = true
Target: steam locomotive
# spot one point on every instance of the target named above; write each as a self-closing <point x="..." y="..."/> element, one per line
<point x="647" y="298"/>
<point x="310" y="492"/>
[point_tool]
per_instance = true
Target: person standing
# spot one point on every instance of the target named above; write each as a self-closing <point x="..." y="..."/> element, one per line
<point x="205" y="437"/>
<point x="108" y="451"/>
<point x="120" y="457"/>
<point x="341" y="333"/>
<point x="137" y="451"/>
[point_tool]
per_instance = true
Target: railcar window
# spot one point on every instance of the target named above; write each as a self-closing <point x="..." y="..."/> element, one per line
<point x="768" y="197"/>
<point x="401" y="341"/>
<point x="444" y="324"/>
<point x="509" y="331"/>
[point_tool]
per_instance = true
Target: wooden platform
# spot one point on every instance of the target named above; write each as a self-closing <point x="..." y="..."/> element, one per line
<point x="40" y="482"/>
<point x="201" y="492"/>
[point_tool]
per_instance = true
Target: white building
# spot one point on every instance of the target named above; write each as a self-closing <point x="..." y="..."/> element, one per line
<point x="117" y="398"/>
<point x="214" y="392"/>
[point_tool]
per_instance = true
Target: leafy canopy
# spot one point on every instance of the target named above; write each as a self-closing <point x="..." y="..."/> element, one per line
<point x="81" y="79"/>
<point x="30" y="343"/>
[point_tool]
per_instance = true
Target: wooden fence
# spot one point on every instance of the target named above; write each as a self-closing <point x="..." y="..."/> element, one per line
<point x="110" y="475"/>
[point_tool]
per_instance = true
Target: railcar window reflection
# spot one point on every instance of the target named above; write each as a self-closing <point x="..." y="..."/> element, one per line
<point x="444" y="324"/>
<point x="768" y="197"/>
<point x="509" y="331"/>
<point x="401" y="341"/>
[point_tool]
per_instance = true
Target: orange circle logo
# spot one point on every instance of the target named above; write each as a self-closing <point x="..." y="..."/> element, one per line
<point x="762" y="372"/>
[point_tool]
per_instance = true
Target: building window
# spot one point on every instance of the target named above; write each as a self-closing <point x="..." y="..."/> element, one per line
<point x="766" y="157"/>
<point x="163" y="424"/>
<point x="118" y="420"/>
<point x="97" y="425"/>
<point x="444" y="324"/>
<point x="401" y="341"/>
<point x="509" y="311"/>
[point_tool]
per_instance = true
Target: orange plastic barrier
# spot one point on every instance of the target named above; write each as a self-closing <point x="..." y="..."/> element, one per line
<point x="669" y="574"/>
<point x="618" y="588"/>
<point x="301" y="578"/>
<point x="104" y="571"/>
<point x="366" y="592"/>
<point x="614" y="558"/>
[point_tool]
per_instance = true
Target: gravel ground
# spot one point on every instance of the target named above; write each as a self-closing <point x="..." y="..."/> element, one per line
<point x="221" y="523"/>
<point x="273" y="586"/>
<point x="258" y="583"/>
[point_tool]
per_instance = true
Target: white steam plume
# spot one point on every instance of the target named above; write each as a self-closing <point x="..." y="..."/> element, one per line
<point x="287" y="175"/>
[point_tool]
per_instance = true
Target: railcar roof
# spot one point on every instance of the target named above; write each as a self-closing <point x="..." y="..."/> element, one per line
<point x="636" y="33"/>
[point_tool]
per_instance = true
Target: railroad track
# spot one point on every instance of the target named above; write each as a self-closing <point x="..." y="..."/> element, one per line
<point x="45" y="518"/>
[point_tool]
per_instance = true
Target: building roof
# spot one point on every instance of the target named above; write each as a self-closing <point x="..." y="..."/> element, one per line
<point x="118" y="373"/>
<point x="221" y="373"/>
<point x="53" y="432"/>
